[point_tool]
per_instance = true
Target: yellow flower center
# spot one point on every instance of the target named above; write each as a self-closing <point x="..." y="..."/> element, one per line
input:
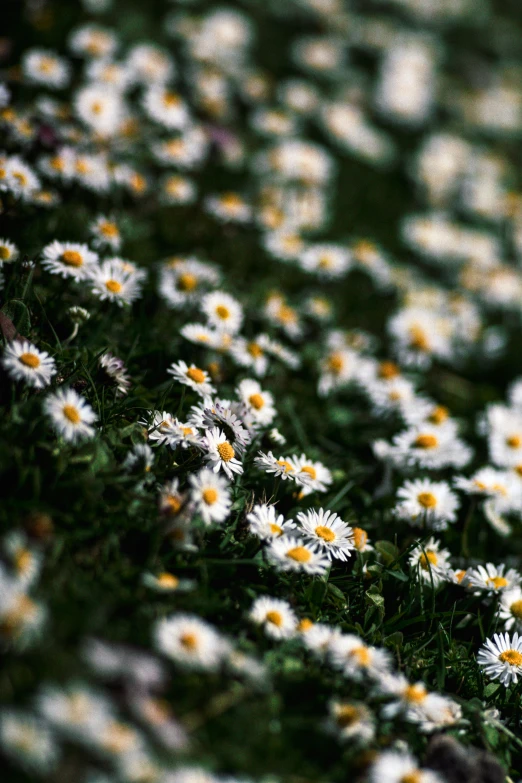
<point x="438" y="415"/>
<point x="276" y="530"/>
<point x="516" y="609"/>
<point x="304" y="625"/>
<point x="138" y="183"/>
<point x="427" y="499"/>
<point x="335" y="363"/>
<point x="325" y="262"/>
<point x="72" y="258"/>
<point x="231" y="201"/>
<point x="427" y="559"/>
<point x="325" y="533"/>
<point x="513" y="657"/>
<point x="419" y="339"/>
<point x="497" y="582"/>
<point x="300" y="554"/>
<point x="518" y="470"/>
<point x="187" y="431"/>
<point x="173" y="504"/>
<point x="415" y="694"/>
<point x="310" y="470"/>
<point x="360" y="537"/>
<point x="223" y="312"/>
<point x="109" y="230"/>
<point x="23" y="560"/>
<point x="187" y="282"/>
<point x="189" y="641"/>
<point x="346" y="716"/>
<point x="411" y="777"/>
<point x="286" y="465"/>
<point x="168" y="580"/>
<point x="210" y="496"/>
<point x="388" y="370"/>
<point x="30" y="360"/>
<point x="275" y="618"/>
<point x="254" y="350"/>
<point x="362" y="655"/>
<point x="459" y="576"/>
<point x="287" y="315"/>
<point x="426" y="441"/>
<point x="97" y="107"/>
<point x="4" y="253"/>
<point x="171" y="100"/>
<point x="256" y="401"/>
<point x="20" y="177"/>
<point x="514" y="441"/>
<point x="113" y="286"/>
<point x="72" y="414"/>
<point x="175" y="146"/>
<point x="226" y="452"/>
<point x="196" y="375"/>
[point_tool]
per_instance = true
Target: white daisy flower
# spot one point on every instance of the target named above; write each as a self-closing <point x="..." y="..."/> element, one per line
<point x="210" y="496"/>
<point x="25" y="561"/>
<point x="501" y="658"/>
<point x="431" y="447"/>
<point x="21" y="179"/>
<point x="282" y="467"/>
<point x="101" y="108"/>
<point x="91" y="40"/>
<point x="209" y="338"/>
<point x="327" y="261"/>
<point x="265" y="523"/>
<point x="503" y="488"/>
<point x="493" y="579"/>
<point x="425" y="501"/>
<point x="8" y="252"/>
<point x="259" y="403"/>
<point x="228" y="207"/>
<point x="360" y="540"/>
<point x="222" y="311"/>
<point x="71" y="415"/>
<point x="166" y="107"/>
<point x="165" y="582"/>
<point x="405" y="695"/>
<point x="69" y="259"/>
<point x="318" y="637"/>
<point x="171" y="500"/>
<point x="351" y="721"/>
<point x="276" y="616"/>
<point x="139" y="457"/>
<point x="312" y="475"/>
<point x="24" y="362"/>
<point x="116" y="281"/>
<point x="510" y="609"/>
<point x="76" y="711"/>
<point x="339" y="368"/>
<point x="295" y="554"/>
<point x="116" y="372"/>
<point x="178" y="189"/>
<point x="190" y="642"/>
<point x="149" y="64"/>
<point x="397" y="767"/>
<point x="45" y="68"/>
<point x="197" y="379"/>
<point x="221" y="454"/>
<point x="430" y="562"/>
<point x="252" y="353"/>
<point x="105" y="233"/>
<point x="355" y="659"/>
<point x="327" y="529"/>
<point x="28" y="741"/>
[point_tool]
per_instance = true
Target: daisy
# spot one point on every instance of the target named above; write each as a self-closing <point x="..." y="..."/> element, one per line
<point x="326" y="528"/>
<point x="501" y="658"/>
<point x="8" y="252"/>
<point x="222" y="311"/>
<point x="20" y="179"/>
<point x="281" y="468"/>
<point x="228" y="207"/>
<point x="355" y="659"/>
<point x="313" y="475"/>
<point x="221" y="454"/>
<point x="259" y="403"/>
<point x="430" y="562"/>
<point x="28" y="741"/>
<point x="337" y="369"/>
<point x="71" y="415"/>
<point x="69" y="259"/>
<point x="190" y="642"/>
<point x="295" y="554"/>
<point x="76" y="711"/>
<point x="149" y="64"/>
<point x="493" y="579"/>
<point x="197" y="379"/>
<point x="25" y="561"/>
<point x="398" y="767"/>
<point x="351" y="721"/>
<point x="431" y="447"/>
<point x="203" y="335"/>
<point x="165" y="582"/>
<point x="226" y="416"/>
<point x="252" y="353"/>
<point x="24" y="362"/>
<point x="115" y="281"/>
<point x="21" y="618"/>
<point x="423" y="500"/>
<point x="277" y="617"/>
<point x="166" y="107"/>
<point x="116" y="372"/>
<point x="181" y="280"/>
<point x="100" y="108"/>
<point x="45" y="68"/>
<point x="510" y="608"/>
<point x="285" y="244"/>
<point x="265" y="523"/>
<point x="177" y="189"/>
<point x="210" y="496"/>
<point x="105" y="233"/>
<point x="139" y="458"/>
<point x="91" y="40"/>
<point x="360" y="540"/>
<point x="405" y="695"/>
<point x="171" y="500"/>
<point x="327" y="261"/>
<point x="318" y="638"/>
<point x="501" y="487"/>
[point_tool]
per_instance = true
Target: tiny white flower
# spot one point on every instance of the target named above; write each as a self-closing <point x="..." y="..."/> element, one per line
<point x="501" y="658"/>
<point x="71" y="415"/>
<point x="326" y="528"/>
<point x="276" y="616"/>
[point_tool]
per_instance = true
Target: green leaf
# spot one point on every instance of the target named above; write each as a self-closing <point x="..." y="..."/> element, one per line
<point x="388" y="551"/>
<point x="19" y="314"/>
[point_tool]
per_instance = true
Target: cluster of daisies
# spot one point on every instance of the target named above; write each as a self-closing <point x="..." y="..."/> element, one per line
<point x="125" y="135"/>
